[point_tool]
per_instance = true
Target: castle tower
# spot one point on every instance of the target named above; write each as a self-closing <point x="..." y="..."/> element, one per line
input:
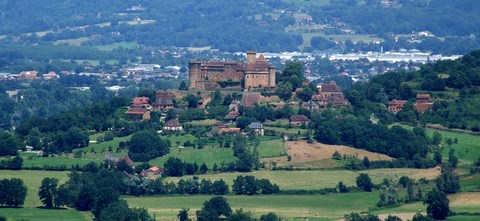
<point x="271" y="75"/>
<point x="251" y="57"/>
<point x="193" y="73"/>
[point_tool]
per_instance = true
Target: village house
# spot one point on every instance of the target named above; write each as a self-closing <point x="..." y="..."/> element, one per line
<point x="396" y="106"/>
<point x="138" y="113"/>
<point x="310" y="105"/>
<point x="173" y="125"/>
<point x="141" y="102"/>
<point x="218" y="126"/>
<point x="51" y="75"/>
<point x="139" y="109"/>
<point x="256" y="128"/>
<point x="164" y="101"/>
<point x="27" y="75"/>
<point x="229" y="130"/>
<point x="232" y="116"/>
<point x="423" y="103"/>
<point x="152" y="173"/>
<point x="299" y="120"/>
<point x="330" y="94"/>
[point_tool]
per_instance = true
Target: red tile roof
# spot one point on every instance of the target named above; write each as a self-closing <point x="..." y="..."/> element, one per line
<point x="330" y="87"/>
<point x="398" y="102"/>
<point x="135" y="111"/>
<point x="140" y="100"/>
<point x="172" y="123"/>
<point x="299" y="118"/>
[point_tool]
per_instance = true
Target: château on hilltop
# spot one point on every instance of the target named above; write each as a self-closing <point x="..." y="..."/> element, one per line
<point x="256" y="73"/>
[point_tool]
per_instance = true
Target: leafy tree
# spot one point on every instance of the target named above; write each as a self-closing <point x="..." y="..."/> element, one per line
<point x="213" y="209"/>
<point x="366" y="162"/>
<point x="388" y="197"/>
<point x="147" y="145"/>
<point x="305" y="94"/>
<point x="437" y="204"/>
<point x="438" y="157"/>
<point x="452" y="159"/>
<point x="270" y="217"/>
<point x="174" y="167"/>
<point x="219" y="187"/>
<point x="364" y="182"/>
<point x="15" y="163"/>
<point x="240" y="215"/>
<point x="183" y="214"/>
<point x="421" y="217"/>
<point x="203" y="168"/>
<point x="448" y="181"/>
<point x="12" y="192"/>
<point x="284" y="91"/>
<point x="8" y="144"/>
<point x="336" y="155"/>
<point x="437" y="138"/>
<point x="341" y="187"/>
<point x="358" y="217"/>
<point x="48" y="191"/>
<point x="183" y="86"/>
<point x="392" y="218"/>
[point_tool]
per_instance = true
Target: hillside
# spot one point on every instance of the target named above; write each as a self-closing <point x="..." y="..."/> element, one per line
<point x="453" y="85"/>
<point x="233" y="26"/>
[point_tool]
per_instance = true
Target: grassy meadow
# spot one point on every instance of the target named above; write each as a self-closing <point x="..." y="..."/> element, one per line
<point x="93" y="153"/>
<point x="467" y="149"/>
<point x="318" y="179"/>
<point x="31" y="210"/>
<point x="292" y="207"/>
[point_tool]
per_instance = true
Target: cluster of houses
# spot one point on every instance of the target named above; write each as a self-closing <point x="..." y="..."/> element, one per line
<point x="422" y="103"/>
<point x="31" y="75"/>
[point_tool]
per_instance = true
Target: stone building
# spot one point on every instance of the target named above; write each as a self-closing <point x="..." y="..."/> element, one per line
<point x="255" y="73"/>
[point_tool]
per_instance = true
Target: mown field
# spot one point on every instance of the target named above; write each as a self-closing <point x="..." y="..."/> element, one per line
<point x="318" y="179"/>
<point x="313" y="207"/>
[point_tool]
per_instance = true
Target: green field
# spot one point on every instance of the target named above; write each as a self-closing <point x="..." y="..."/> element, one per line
<point x="293" y="131"/>
<point x="98" y="155"/>
<point x="313" y="207"/>
<point x="208" y="155"/>
<point x="272" y="148"/>
<point x="317" y="179"/>
<point x="32" y="180"/>
<point x="74" y="42"/>
<point x="110" y="47"/>
<point x="467" y="149"/>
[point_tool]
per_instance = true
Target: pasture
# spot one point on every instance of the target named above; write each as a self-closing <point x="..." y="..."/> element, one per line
<point x="93" y="153"/>
<point x="467" y="148"/>
<point x="291" y="207"/>
<point x="318" y="179"/>
<point x="30" y="211"/>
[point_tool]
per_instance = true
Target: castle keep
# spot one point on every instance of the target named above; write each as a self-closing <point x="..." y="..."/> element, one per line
<point x="255" y="73"/>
